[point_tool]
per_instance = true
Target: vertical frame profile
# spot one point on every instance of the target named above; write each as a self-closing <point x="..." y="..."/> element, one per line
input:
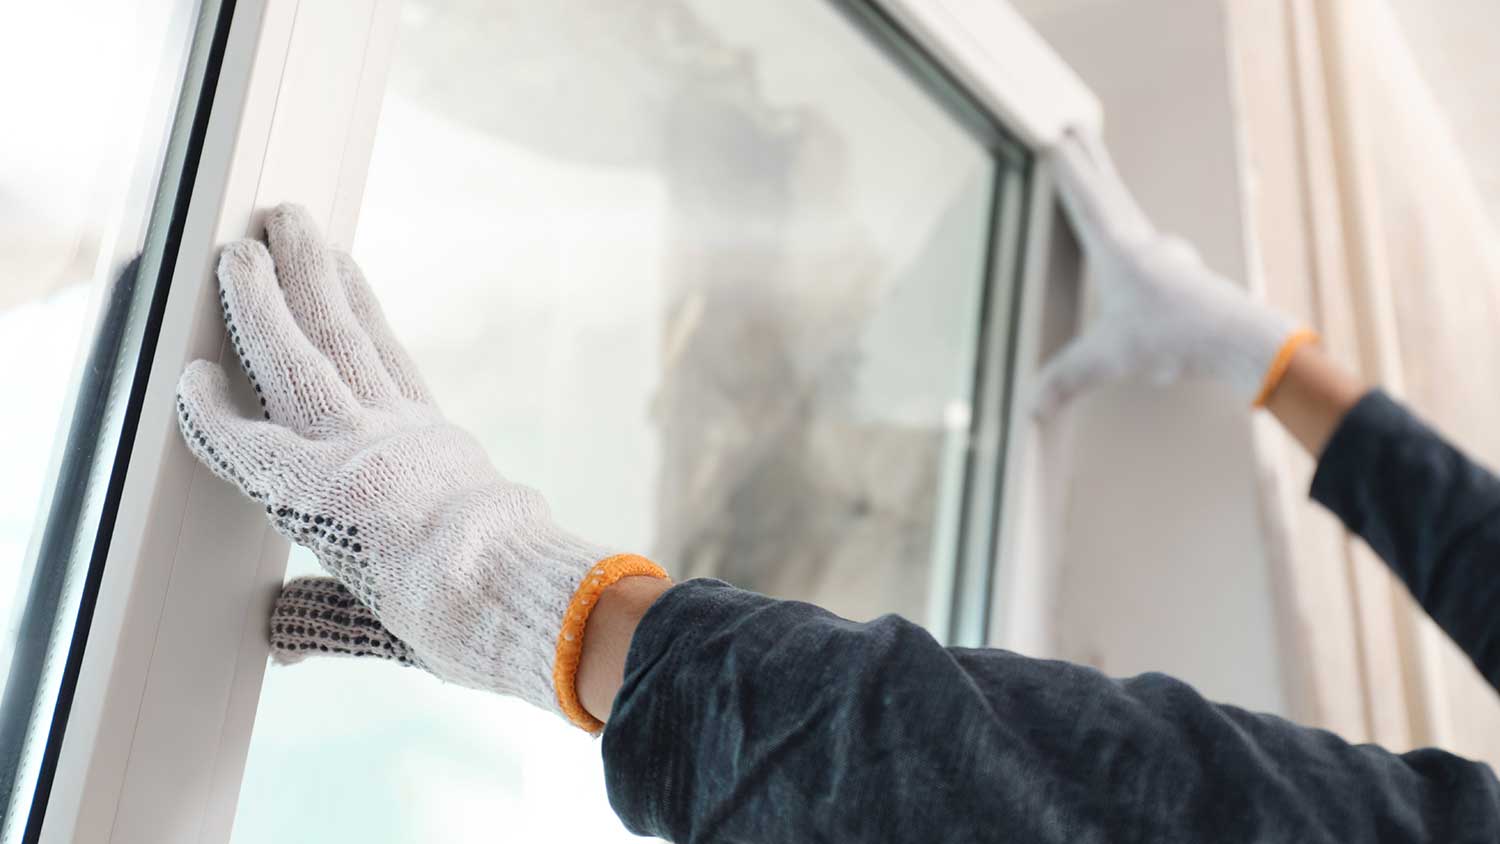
<point x="169" y="679"/>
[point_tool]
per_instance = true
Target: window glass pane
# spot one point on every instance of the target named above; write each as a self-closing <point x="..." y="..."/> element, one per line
<point x="707" y="273"/>
<point x="85" y="194"/>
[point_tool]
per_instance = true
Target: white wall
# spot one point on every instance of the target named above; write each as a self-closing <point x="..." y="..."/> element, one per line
<point x="1163" y="564"/>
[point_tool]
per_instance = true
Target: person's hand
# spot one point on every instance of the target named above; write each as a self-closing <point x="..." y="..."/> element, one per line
<point x="448" y="565"/>
<point x="1161" y="313"/>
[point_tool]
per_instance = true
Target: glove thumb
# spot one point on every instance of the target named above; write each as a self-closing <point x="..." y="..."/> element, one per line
<point x="317" y="615"/>
<point x="1093" y="359"/>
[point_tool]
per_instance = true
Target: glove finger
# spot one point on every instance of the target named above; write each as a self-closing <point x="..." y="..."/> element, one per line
<point x="298" y="386"/>
<point x="1176" y="251"/>
<point x="249" y="453"/>
<point x="397" y="361"/>
<point x="306" y="269"/>
<point x="317" y="615"/>
<point x="1097" y="201"/>
<point x="1085" y="363"/>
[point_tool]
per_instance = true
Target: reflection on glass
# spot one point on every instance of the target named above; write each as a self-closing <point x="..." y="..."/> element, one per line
<point x="708" y="274"/>
<point x="89" y="107"/>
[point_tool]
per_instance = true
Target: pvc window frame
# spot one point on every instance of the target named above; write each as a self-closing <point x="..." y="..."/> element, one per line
<point x="169" y="682"/>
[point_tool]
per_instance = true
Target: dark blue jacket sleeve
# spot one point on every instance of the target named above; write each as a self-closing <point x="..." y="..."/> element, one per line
<point x="1431" y="513"/>
<point x="744" y="718"/>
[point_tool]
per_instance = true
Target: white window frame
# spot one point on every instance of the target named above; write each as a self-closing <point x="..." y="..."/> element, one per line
<point x="165" y="701"/>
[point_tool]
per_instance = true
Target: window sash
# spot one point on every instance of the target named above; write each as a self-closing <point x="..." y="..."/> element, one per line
<point x="170" y="679"/>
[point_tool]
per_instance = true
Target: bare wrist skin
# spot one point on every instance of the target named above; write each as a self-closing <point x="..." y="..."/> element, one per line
<point x="606" y="640"/>
<point x="1313" y="396"/>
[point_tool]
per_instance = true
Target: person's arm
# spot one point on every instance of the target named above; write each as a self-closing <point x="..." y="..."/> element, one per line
<point x="607" y="637"/>
<point x="744" y="718"/>
<point x="1313" y="397"/>
<point x="1431" y="513"/>
<point x="1428" y="510"/>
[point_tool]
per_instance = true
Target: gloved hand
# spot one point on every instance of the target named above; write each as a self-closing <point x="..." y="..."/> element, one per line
<point x="317" y="615"/>
<point x="1161" y="314"/>
<point x="465" y="569"/>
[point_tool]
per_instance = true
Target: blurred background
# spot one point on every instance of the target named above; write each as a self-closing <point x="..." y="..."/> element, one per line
<point x="715" y="288"/>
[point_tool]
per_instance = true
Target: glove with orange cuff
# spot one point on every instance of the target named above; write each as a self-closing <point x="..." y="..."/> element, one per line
<point x="438" y="560"/>
<point x="1160" y="312"/>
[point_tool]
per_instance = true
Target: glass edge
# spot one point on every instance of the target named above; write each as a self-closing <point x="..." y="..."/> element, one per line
<point x="1027" y="242"/>
<point x="933" y="77"/>
<point x="972" y="563"/>
<point x="141" y="305"/>
<point x="994" y="378"/>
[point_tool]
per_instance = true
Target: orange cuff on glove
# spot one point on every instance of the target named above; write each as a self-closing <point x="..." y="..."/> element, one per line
<point x="570" y="639"/>
<point x="1277" y="370"/>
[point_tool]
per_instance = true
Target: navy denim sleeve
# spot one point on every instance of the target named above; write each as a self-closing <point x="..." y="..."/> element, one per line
<point x="744" y="718"/>
<point x="1428" y="511"/>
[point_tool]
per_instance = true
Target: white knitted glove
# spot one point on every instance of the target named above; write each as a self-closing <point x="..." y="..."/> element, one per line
<point x="1160" y="313"/>
<point x="354" y="461"/>
<point x="317" y="615"/>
